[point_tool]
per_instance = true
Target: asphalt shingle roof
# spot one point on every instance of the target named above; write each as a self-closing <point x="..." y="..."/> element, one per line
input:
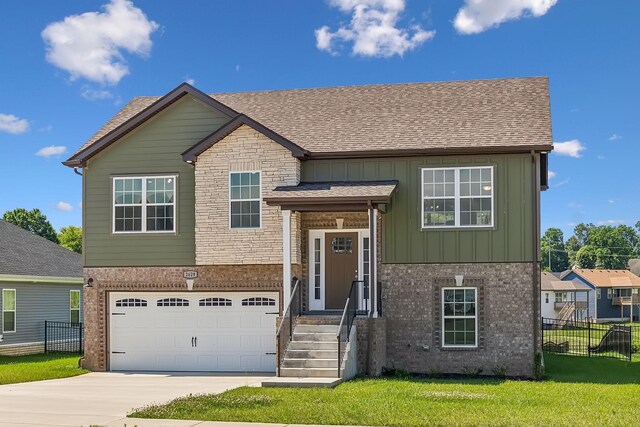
<point x="332" y="190"/>
<point x="412" y="116"/>
<point x="24" y="253"/>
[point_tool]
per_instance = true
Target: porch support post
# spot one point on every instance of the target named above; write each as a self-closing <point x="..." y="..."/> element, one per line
<point x="373" y="260"/>
<point x="286" y="257"/>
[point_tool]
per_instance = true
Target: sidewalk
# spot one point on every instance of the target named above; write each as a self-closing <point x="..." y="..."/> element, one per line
<point x="142" y="422"/>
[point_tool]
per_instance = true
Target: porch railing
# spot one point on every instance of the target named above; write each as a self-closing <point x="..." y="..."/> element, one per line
<point x="635" y="299"/>
<point x="289" y="317"/>
<point x="346" y="322"/>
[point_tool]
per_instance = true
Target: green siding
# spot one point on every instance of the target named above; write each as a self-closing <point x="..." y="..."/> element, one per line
<point x="405" y="241"/>
<point x="153" y="148"/>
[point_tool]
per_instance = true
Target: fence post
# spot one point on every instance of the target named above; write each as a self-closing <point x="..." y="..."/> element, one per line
<point x="589" y="338"/>
<point x="542" y="332"/>
<point x="630" y="334"/>
<point x="45" y="336"/>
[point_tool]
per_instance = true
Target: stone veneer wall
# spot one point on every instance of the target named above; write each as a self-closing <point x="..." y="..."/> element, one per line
<point x="21" y="349"/>
<point x="411" y="302"/>
<point x="265" y="277"/>
<point x="243" y="150"/>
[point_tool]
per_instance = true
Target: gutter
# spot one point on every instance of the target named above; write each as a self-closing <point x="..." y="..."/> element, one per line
<point x="11" y="278"/>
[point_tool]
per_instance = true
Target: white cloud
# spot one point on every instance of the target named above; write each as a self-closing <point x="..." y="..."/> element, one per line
<point x="572" y="148"/>
<point x="95" y="94"/>
<point x="64" y="206"/>
<point x="601" y="157"/>
<point x="190" y="81"/>
<point x="615" y="137"/>
<point x="237" y="67"/>
<point x="80" y="205"/>
<point x="90" y="45"/>
<point x="552" y="174"/>
<point x="611" y="201"/>
<point x="12" y="124"/>
<point x="575" y="205"/>
<point x="561" y="183"/>
<point x="477" y="16"/>
<point x="52" y="150"/>
<point x="373" y="29"/>
<point x="612" y="222"/>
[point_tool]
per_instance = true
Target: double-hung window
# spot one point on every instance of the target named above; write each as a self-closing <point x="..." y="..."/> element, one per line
<point x="244" y="199"/>
<point x="8" y="310"/>
<point x="74" y="306"/>
<point x="457" y="197"/>
<point x="144" y="204"/>
<point x="460" y="317"/>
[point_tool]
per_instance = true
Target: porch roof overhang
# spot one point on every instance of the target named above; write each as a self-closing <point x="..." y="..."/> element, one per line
<point x="332" y="196"/>
<point x="565" y="286"/>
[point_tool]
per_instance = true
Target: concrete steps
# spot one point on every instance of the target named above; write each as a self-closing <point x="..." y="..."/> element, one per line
<point x="313" y="350"/>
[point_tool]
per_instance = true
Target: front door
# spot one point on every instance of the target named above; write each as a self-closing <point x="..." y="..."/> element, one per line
<point x="341" y="267"/>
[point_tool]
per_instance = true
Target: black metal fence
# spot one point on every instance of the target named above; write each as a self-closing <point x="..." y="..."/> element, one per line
<point x="63" y="337"/>
<point x="615" y="340"/>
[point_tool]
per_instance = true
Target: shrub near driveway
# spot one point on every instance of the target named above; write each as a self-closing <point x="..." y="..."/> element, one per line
<point x="575" y="396"/>
<point x="38" y="367"/>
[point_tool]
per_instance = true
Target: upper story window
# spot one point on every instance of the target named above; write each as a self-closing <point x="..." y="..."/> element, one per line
<point x="144" y="204"/>
<point x="457" y="197"/>
<point x="244" y="199"/>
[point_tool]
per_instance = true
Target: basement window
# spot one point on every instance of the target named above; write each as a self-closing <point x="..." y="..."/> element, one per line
<point x="460" y="317"/>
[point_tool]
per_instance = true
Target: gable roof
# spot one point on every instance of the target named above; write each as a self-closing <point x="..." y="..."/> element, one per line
<point x="135" y="113"/>
<point x="215" y="137"/>
<point x="24" y="253"/>
<point x="608" y="278"/>
<point x="481" y="116"/>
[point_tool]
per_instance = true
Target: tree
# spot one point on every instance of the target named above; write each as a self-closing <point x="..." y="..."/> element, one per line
<point x="71" y="238"/>
<point x="33" y="221"/>
<point x="608" y="247"/>
<point x="554" y="256"/>
<point x="572" y="246"/>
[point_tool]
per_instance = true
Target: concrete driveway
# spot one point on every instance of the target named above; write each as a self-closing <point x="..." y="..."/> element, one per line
<point x="103" y="398"/>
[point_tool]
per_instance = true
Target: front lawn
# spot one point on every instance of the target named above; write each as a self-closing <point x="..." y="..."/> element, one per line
<point x="580" y="391"/>
<point x="38" y="367"/>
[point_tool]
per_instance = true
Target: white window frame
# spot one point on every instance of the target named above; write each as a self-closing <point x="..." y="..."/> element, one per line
<point x="475" y="317"/>
<point x="71" y="309"/>
<point x="598" y="293"/>
<point x="14" y="311"/>
<point x="457" y="197"/>
<point x="259" y="172"/>
<point x="144" y="204"/>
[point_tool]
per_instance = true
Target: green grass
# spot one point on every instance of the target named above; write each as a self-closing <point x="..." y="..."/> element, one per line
<point x="579" y="391"/>
<point x="38" y="367"/>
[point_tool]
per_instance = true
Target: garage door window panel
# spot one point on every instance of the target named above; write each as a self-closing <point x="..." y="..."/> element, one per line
<point x="258" y="301"/>
<point x="131" y="302"/>
<point x="215" y="302"/>
<point x="173" y="302"/>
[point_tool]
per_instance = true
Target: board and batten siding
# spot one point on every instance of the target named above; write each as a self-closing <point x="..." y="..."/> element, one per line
<point x="404" y="240"/>
<point x="153" y="148"/>
<point x="35" y="303"/>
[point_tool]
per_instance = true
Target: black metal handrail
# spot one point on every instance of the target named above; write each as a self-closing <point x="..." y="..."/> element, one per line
<point x="289" y="316"/>
<point x="346" y="321"/>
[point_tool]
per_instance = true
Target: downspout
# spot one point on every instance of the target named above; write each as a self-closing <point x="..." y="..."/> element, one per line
<point x="535" y="195"/>
<point x="75" y="170"/>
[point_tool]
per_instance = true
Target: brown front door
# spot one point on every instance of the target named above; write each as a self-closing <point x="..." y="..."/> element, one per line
<point x="341" y="267"/>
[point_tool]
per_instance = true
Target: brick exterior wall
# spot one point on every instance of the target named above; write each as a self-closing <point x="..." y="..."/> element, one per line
<point x="411" y="302"/>
<point x="243" y="150"/>
<point x="265" y="277"/>
<point x="376" y="349"/>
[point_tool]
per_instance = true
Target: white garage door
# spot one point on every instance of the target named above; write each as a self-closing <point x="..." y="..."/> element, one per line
<point x="171" y="331"/>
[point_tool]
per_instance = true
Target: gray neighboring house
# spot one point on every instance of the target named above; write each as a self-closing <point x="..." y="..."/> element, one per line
<point x="39" y="280"/>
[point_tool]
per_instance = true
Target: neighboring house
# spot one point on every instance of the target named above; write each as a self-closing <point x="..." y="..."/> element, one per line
<point x="200" y="210"/>
<point x="39" y="280"/>
<point x="615" y="292"/>
<point x="563" y="299"/>
<point x="634" y="266"/>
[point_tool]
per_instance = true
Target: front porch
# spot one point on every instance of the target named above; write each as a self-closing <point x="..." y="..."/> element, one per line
<point x="336" y="224"/>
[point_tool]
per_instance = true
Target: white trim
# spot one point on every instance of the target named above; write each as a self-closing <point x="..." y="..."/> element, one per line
<point x="41" y="279"/>
<point x="259" y="172"/>
<point x="14" y="311"/>
<point x="373" y="256"/>
<point x="144" y="204"/>
<point x="286" y="257"/>
<point x="475" y="317"/>
<point x="319" y="304"/>
<point x="456" y="198"/>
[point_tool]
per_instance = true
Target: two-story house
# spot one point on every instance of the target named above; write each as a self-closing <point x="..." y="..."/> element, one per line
<point x="208" y="217"/>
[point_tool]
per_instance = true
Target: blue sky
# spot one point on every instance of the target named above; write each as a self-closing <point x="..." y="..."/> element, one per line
<point x="590" y="50"/>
